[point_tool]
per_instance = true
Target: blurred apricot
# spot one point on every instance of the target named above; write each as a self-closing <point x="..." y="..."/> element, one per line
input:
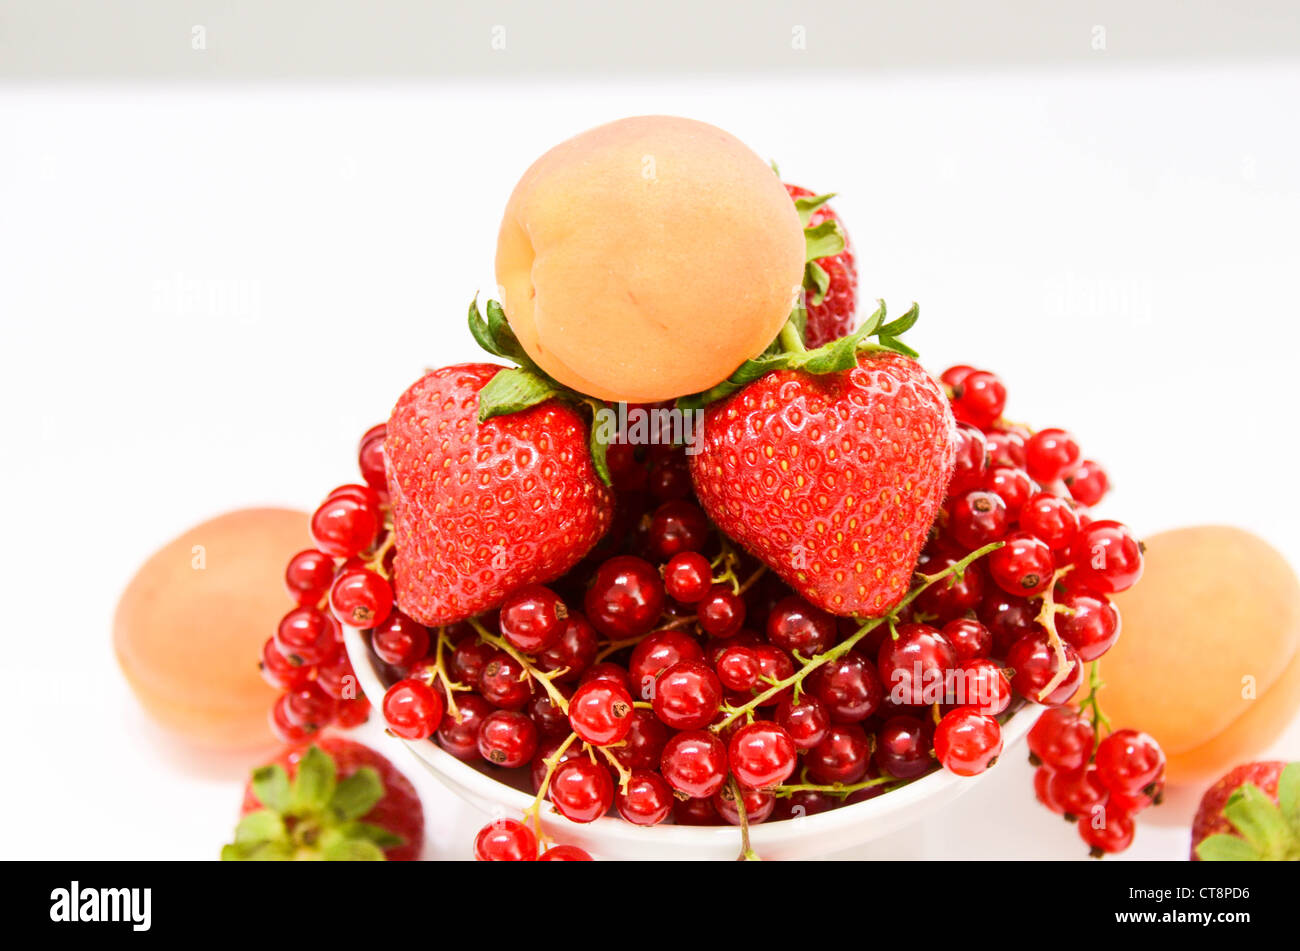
<point x="191" y="624"/>
<point x="1208" y="661"/>
<point x="648" y="258"/>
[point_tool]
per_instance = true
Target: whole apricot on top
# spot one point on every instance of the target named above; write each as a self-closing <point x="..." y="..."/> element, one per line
<point x="1208" y="661"/>
<point x="648" y="258"/>
<point x="191" y="624"/>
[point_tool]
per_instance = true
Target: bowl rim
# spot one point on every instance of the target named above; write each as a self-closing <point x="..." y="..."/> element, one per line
<point x="452" y="771"/>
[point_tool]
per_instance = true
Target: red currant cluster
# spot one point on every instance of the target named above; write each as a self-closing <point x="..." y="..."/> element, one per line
<point x="1048" y="610"/>
<point x="342" y="579"/>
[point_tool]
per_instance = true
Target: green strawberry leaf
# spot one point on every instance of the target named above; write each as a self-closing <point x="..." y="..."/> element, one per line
<point x="257" y="852"/>
<point x="507" y="343"/>
<point x="357" y="794"/>
<point x="338" y="846"/>
<point x="1259" y="820"/>
<point x="1222" y="847"/>
<point x="271" y="787"/>
<point x="313" y="787"/>
<point x="890" y="343"/>
<point x="900" y="326"/>
<point x="479" y="329"/>
<point x="816" y="280"/>
<point x="598" y="442"/>
<point x="807" y="205"/>
<point x="372" y="833"/>
<point x="1288" y="796"/>
<point x="823" y="240"/>
<point x="513" y="390"/>
<point x="260" y="826"/>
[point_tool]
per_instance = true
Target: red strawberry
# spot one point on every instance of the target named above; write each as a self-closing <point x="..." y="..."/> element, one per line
<point x="480" y="509"/>
<point x="336" y="800"/>
<point x="1251" y="813"/>
<point x="831" y="280"/>
<point x="832" y="480"/>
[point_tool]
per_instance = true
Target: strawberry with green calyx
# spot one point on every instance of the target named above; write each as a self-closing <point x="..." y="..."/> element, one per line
<point x="1251" y="814"/>
<point x="489" y="492"/>
<point x="335" y="801"/>
<point x="830" y="464"/>
<point x="830" y="274"/>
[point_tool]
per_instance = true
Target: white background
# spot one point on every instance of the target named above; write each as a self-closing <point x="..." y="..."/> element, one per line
<point x="1121" y="245"/>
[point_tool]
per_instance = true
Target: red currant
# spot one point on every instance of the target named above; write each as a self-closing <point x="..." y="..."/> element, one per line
<point x="645" y="800"/>
<point x="969" y="638"/>
<point x="903" y="747"/>
<point x="655" y="654"/>
<point x="694" y="763"/>
<point x="626" y="598"/>
<point x="279" y="671"/>
<point x="952" y="598"/>
<point x="807" y="721"/>
<point x="308" y="576"/>
<point x="1090" y="623"/>
<point x="284" y="729"/>
<point x="1051" y="519"/>
<point x="1023" y="565"/>
<point x="573" y="652"/>
<point x="1077" y="792"/>
<point x="1012" y="485"/>
<point x="505" y="840"/>
<point x="505" y="683"/>
<point x="676" y="527"/>
<point x="370" y="458"/>
<point x="361" y="598"/>
<point x="1106" y="832"/>
<point x="979" y="398"/>
<point x="353" y="712"/>
<point x="1106" y="557"/>
<point x="1061" y="739"/>
<point x="412" y="709"/>
<point x="507" y="739"/>
<point x="761" y="754"/>
<point x="688" y="576"/>
<point x="565" y="853"/>
<point x="687" y="696"/>
<point x="985" y="687"/>
<point x="532" y="618"/>
<point x="967" y="742"/>
<point x="798" y="627"/>
<point x="399" y="641"/>
<point x="458" y="732"/>
<point x="1035" y="665"/>
<point x="848" y="686"/>
<point x="644" y="743"/>
<point x="758" y="805"/>
<point x="468" y="661"/>
<point x="841" y="757"/>
<point x="913" y="666"/>
<point x="721" y="612"/>
<point x="738" y="668"/>
<point x="310" y="707"/>
<point x="581" y="790"/>
<point x="1049" y="454"/>
<point x="1129" y="761"/>
<point x="600" y="712"/>
<point x="306" y="636"/>
<point x="1087" y="482"/>
<point x="344" y="527"/>
<point x="972" y="460"/>
<point x="547" y="715"/>
<point x="977" y="518"/>
<point x="1006" y="449"/>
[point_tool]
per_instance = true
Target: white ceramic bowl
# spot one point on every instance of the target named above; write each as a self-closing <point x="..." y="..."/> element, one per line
<point x="612" y="838"/>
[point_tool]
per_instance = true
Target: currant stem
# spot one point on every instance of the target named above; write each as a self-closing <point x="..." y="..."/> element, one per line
<point x="450" y="685"/>
<point x="747" y="853"/>
<point x="844" y="646"/>
<point x="1047" y="618"/>
<point x="624" y="775"/>
<point x="837" y="789"/>
<point x="502" y="644"/>
<point x="552" y="761"/>
<point x="1099" y="719"/>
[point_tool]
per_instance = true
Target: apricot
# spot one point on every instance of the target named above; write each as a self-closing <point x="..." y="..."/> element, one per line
<point x="1208" y="661"/>
<point x="190" y="626"/>
<point x="648" y="258"/>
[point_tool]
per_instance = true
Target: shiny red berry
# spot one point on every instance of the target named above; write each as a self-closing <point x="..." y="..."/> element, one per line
<point x="626" y="598"/>
<point x="308" y="576"/>
<point x="507" y="739"/>
<point x="581" y="790"/>
<point x="505" y="840"/>
<point x="721" y="612"/>
<point x="849" y="687"/>
<point x="761" y="754"/>
<point x="656" y="653"/>
<point x="1023" y="565"/>
<point x="306" y="636"/>
<point x="1106" y="557"/>
<point x="687" y="696"/>
<point x="1107" y="831"/>
<point x="694" y="763"/>
<point x="688" y="576"/>
<point x="841" y="757"/>
<point x="800" y="628"/>
<point x="565" y="853"/>
<point x="1129" y="761"/>
<point x="969" y="638"/>
<point x="344" y="527"/>
<point x="645" y="800"/>
<point x="361" y="598"/>
<point x="600" y="712"/>
<point x="1087" y="483"/>
<point x="412" y="709"/>
<point x="1035" y="664"/>
<point x="676" y="527"/>
<point x="532" y="618"/>
<point x="977" y="518"/>
<point x="1049" y="454"/>
<point x="967" y="742"/>
<point x="807" y="721"/>
<point x="399" y="641"/>
<point x="979" y="398"/>
<point x="1062" y="739"/>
